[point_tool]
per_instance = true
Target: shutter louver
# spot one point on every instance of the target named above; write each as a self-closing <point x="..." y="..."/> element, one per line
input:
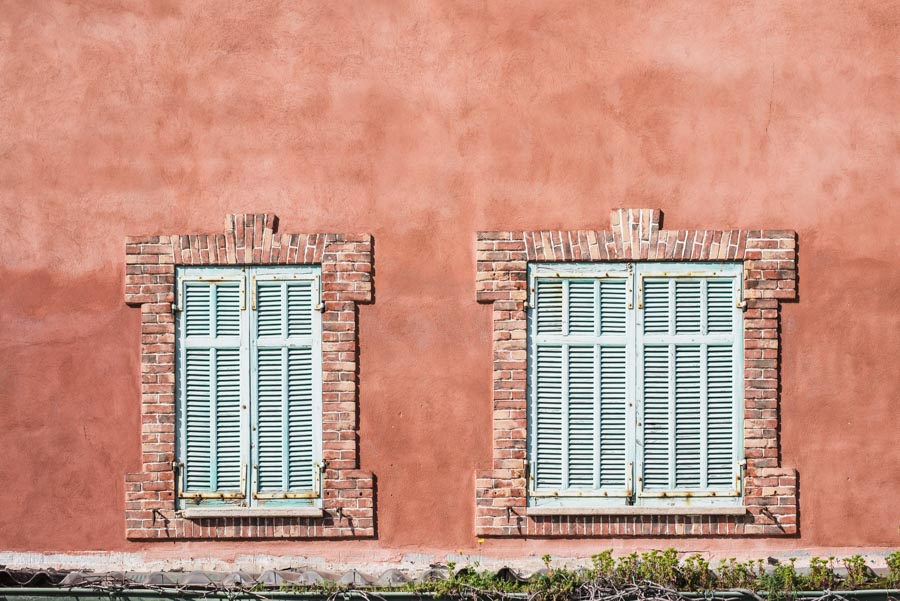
<point x="300" y="419"/>
<point x="581" y="414"/>
<point x="549" y="307"/>
<point x="270" y="420"/>
<point x="211" y="386"/>
<point x="657" y="384"/>
<point x="582" y="307"/>
<point x="578" y="407"/>
<point x="720" y="415"/>
<point x="612" y="417"/>
<point x="689" y="385"/>
<point x="548" y="414"/>
<point x="285" y="386"/>
<point x="198" y="435"/>
<point x="612" y="306"/>
<point x="228" y="419"/>
<point x="687" y="416"/>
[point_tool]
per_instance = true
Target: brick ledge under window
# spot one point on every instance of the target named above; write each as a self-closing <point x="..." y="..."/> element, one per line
<point x="769" y="261"/>
<point x="348" y="493"/>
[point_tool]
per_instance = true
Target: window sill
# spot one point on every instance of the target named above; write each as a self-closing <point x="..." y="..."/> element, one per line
<point x="194" y="513"/>
<point x="632" y="510"/>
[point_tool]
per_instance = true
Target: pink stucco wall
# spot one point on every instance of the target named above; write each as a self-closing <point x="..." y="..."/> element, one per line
<point x="422" y="123"/>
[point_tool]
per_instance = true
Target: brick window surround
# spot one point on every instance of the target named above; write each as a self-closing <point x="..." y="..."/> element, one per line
<point x="770" y="490"/>
<point x="251" y="239"/>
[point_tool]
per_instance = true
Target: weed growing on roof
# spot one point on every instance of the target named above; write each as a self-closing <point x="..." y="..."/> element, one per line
<point x="653" y="575"/>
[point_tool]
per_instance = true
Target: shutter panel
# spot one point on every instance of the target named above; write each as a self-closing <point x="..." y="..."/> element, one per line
<point x="690" y="396"/>
<point x="612" y="306"/>
<point x="657" y="386"/>
<point x="687" y="416"/>
<point x="270" y="420"/>
<point x="720" y="416"/>
<point x="197" y="421"/>
<point x="286" y="395"/>
<point x="548" y="415"/>
<point x="612" y="426"/>
<point x="578" y="386"/>
<point x="210" y="386"/>
<point x="582" y="455"/>
<point x="549" y="307"/>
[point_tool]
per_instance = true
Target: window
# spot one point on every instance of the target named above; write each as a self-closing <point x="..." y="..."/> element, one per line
<point x="635" y="384"/>
<point x="248" y="386"/>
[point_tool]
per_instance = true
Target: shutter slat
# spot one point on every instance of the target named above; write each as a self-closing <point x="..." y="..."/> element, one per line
<point x="612" y="306"/>
<point x="687" y="307"/>
<point x="687" y="416"/>
<point x="582" y="451"/>
<point x="228" y="309"/>
<point x="270" y="417"/>
<point x="299" y="310"/>
<point x="720" y="415"/>
<point x="612" y="417"/>
<point x="197" y="425"/>
<point x="656" y="306"/>
<point x="228" y="419"/>
<point x="300" y="419"/>
<point x="656" y="376"/>
<point x="197" y="299"/>
<point x="720" y="306"/>
<point x="549" y="307"/>
<point x="548" y="412"/>
<point x="269" y="319"/>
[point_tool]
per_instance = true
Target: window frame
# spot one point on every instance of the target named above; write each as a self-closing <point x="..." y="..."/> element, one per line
<point x="768" y="258"/>
<point x="347" y="507"/>
<point x="248" y="278"/>
<point x="634" y="274"/>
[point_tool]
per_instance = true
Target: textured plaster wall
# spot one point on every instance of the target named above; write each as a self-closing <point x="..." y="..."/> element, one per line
<point x="423" y="123"/>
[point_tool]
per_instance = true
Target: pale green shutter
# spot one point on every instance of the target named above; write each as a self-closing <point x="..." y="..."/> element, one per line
<point x="210" y="385"/>
<point x="287" y="360"/>
<point x="689" y="352"/>
<point x="578" y="387"/>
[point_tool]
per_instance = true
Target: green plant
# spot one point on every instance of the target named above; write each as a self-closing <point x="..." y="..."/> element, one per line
<point x="733" y="574"/>
<point x="660" y="567"/>
<point x="695" y="574"/>
<point x="604" y="566"/>
<point x="628" y="569"/>
<point x="821" y="574"/>
<point x="857" y="571"/>
<point x="893" y="562"/>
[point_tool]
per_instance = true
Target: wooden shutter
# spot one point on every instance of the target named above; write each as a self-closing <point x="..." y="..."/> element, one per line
<point x="287" y="385"/>
<point x="689" y="357"/>
<point x="578" y="418"/>
<point x="210" y="386"/>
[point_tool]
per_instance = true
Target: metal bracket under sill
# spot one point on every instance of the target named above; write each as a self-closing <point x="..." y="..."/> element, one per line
<point x="251" y="512"/>
<point x="635" y="510"/>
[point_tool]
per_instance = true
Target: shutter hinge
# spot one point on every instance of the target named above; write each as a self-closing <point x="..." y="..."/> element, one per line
<point x="629" y="484"/>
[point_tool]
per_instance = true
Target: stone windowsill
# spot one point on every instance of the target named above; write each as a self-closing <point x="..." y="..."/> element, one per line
<point x="632" y="510"/>
<point x="250" y="512"/>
